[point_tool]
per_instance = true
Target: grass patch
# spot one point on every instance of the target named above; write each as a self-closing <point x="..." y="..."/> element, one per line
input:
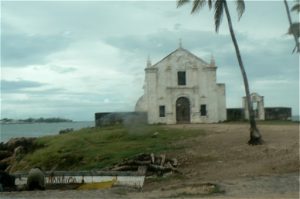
<point x="96" y="148"/>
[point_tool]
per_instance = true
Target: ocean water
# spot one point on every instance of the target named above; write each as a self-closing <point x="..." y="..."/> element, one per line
<point x="8" y="131"/>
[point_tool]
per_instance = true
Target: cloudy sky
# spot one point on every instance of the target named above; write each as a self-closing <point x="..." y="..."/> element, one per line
<point x="74" y="58"/>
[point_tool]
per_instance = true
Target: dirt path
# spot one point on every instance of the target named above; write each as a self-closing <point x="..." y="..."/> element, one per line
<point x="224" y="154"/>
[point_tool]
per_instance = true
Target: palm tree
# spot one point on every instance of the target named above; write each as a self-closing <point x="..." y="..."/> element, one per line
<point x="219" y="7"/>
<point x="294" y="27"/>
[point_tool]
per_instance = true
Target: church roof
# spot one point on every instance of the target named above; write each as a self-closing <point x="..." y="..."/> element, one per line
<point x="184" y="50"/>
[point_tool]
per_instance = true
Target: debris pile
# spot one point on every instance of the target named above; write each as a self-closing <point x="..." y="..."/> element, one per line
<point x="148" y="164"/>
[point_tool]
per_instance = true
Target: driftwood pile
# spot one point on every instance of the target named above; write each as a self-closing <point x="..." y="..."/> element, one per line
<point x="148" y="164"/>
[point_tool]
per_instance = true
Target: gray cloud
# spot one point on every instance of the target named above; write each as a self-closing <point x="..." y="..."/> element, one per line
<point x="165" y="41"/>
<point x="20" y="49"/>
<point x="61" y="69"/>
<point x="263" y="59"/>
<point x="33" y="31"/>
<point x="14" y="86"/>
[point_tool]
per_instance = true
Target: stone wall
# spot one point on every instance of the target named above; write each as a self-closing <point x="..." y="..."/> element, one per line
<point x="278" y="113"/>
<point x="271" y="113"/>
<point x="114" y="118"/>
<point x="235" y="114"/>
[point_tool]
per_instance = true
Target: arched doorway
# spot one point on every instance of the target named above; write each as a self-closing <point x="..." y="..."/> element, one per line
<point x="183" y="110"/>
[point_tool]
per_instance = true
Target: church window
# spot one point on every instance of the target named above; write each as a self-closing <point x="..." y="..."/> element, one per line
<point x="203" y="111"/>
<point x="162" y="111"/>
<point x="181" y="78"/>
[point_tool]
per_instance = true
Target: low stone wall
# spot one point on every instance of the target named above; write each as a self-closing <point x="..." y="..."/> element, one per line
<point x="278" y="113"/>
<point x="235" y="114"/>
<point x="113" y="118"/>
<point x="271" y="113"/>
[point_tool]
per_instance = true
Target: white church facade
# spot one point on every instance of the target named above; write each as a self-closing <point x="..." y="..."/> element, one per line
<point x="182" y="88"/>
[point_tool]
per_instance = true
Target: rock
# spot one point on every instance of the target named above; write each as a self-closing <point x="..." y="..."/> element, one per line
<point x="4" y="154"/>
<point x="64" y="131"/>
<point x="154" y="135"/>
<point x="26" y="143"/>
<point x="14" y="150"/>
<point x="18" y="153"/>
<point x="7" y="181"/>
<point x="3" y="146"/>
<point x="7" y="160"/>
<point x="3" y="166"/>
<point x="36" y="179"/>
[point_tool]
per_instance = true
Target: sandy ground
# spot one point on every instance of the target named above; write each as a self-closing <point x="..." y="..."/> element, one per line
<point x="221" y="157"/>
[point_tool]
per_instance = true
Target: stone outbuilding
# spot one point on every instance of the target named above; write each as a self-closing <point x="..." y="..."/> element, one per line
<point x="260" y="111"/>
<point x="182" y="88"/>
<point x="258" y="106"/>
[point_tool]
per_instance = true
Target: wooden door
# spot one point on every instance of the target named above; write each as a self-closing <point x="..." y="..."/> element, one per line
<point x="183" y="113"/>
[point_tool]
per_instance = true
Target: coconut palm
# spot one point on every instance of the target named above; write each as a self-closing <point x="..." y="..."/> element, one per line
<point x="294" y="28"/>
<point x="296" y="7"/>
<point x="219" y="7"/>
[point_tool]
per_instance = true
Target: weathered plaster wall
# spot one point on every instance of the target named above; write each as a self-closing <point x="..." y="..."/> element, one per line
<point x="259" y="110"/>
<point x="161" y="88"/>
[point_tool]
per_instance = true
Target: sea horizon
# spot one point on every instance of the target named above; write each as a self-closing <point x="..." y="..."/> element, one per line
<point x="15" y="130"/>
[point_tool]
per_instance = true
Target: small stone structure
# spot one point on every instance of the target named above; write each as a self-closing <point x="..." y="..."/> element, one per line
<point x="258" y="106"/>
<point x="271" y="113"/>
<point x="261" y="113"/>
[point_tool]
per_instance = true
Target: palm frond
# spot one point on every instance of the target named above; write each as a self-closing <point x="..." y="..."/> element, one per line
<point x="197" y="5"/>
<point x="240" y="7"/>
<point x="296" y="8"/>
<point x="182" y="2"/>
<point x="294" y="29"/>
<point x="219" y="7"/>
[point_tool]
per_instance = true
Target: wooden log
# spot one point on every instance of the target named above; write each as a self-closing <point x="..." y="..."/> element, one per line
<point x="137" y="162"/>
<point x="163" y="158"/>
<point x="152" y="158"/>
<point x="175" y="162"/>
<point x="159" y="168"/>
<point x="125" y="168"/>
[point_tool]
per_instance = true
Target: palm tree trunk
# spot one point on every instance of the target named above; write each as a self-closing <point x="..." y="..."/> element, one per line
<point x="290" y="21"/>
<point x="255" y="136"/>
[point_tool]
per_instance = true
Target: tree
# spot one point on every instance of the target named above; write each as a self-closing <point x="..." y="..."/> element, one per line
<point x="294" y="28"/>
<point x="219" y="7"/>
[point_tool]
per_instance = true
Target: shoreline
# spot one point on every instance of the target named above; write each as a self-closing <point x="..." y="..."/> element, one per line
<point x="18" y="130"/>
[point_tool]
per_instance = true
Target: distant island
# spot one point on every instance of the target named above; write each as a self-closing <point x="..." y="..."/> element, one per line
<point x="34" y="120"/>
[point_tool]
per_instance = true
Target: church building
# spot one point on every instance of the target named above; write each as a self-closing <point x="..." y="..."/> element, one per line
<point x="182" y="88"/>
